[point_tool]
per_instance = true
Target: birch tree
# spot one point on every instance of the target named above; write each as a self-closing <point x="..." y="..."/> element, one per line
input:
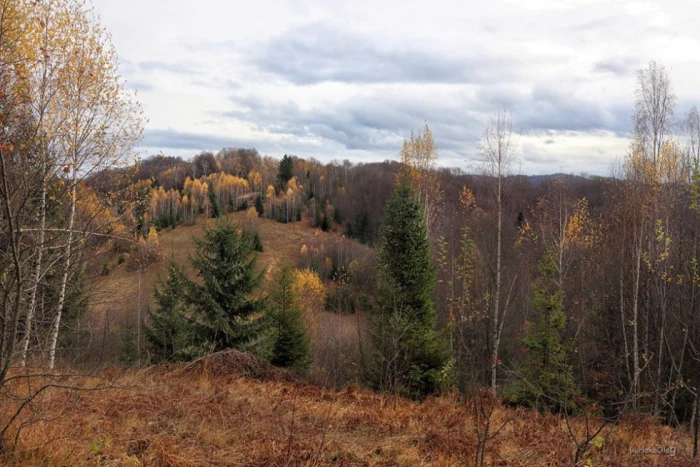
<point x="498" y="147"/>
<point x="100" y="121"/>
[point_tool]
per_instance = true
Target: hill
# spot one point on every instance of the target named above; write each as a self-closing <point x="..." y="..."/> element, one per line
<point x="230" y="409"/>
<point x="117" y="296"/>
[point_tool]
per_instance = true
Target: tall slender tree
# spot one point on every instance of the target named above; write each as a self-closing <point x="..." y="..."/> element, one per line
<point x="498" y="149"/>
<point x="409" y="353"/>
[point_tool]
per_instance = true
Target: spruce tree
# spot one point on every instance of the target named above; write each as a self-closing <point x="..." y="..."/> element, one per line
<point x="259" y="205"/>
<point x="215" y="208"/>
<point x="171" y="335"/>
<point x="546" y="379"/>
<point x="285" y="171"/>
<point x="291" y="342"/>
<point x="409" y="353"/>
<point x="227" y="314"/>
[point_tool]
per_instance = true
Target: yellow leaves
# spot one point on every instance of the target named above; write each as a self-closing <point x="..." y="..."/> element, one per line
<point x="525" y="233"/>
<point x="255" y="179"/>
<point x="270" y="192"/>
<point x="152" y="238"/>
<point x="293" y="186"/>
<point x="667" y="167"/>
<point x="663" y="242"/>
<point x="304" y="250"/>
<point x="580" y="228"/>
<point x="466" y="199"/>
<point x="311" y="292"/>
<point x="251" y="215"/>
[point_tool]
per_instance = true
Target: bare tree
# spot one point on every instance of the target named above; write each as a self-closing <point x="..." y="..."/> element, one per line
<point x="653" y="111"/>
<point x="498" y="149"/>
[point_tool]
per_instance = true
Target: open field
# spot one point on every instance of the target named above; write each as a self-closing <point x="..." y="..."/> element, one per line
<point x="231" y="410"/>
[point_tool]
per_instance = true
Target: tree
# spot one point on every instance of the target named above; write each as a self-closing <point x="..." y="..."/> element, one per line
<point x="224" y="306"/>
<point x="291" y="346"/>
<point x="419" y="158"/>
<point x="498" y="148"/>
<point x="220" y="311"/>
<point x="546" y="377"/>
<point x="285" y="171"/>
<point x="409" y="353"/>
<point x="653" y="111"/>
<point x="171" y="335"/>
<point x="98" y="119"/>
<point x="259" y="205"/>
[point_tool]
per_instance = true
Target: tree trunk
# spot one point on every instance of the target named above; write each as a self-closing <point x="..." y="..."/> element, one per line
<point x="64" y="280"/>
<point x="37" y="278"/>
<point x="496" y="303"/>
<point x="635" y="324"/>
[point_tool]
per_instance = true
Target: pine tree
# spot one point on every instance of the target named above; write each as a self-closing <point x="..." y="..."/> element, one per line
<point x="291" y="342"/>
<point x="546" y="377"/>
<point x="227" y="314"/>
<point x="409" y="353"/>
<point x="171" y="335"/>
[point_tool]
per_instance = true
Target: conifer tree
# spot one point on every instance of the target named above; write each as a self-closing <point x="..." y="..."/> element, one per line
<point x="285" y="172"/>
<point x="259" y="205"/>
<point x="215" y="208"/>
<point x="409" y="353"/>
<point x="227" y="314"/>
<point x="171" y="335"/>
<point x="546" y="377"/>
<point x="291" y="342"/>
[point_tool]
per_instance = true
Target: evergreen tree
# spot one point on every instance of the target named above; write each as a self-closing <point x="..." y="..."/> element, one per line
<point x="257" y="243"/>
<point x="409" y="353"/>
<point x="259" y="205"/>
<point x="129" y="351"/>
<point x="291" y="342"/>
<point x="546" y="377"/>
<point x="285" y="172"/>
<point x="171" y="335"/>
<point x="215" y="208"/>
<point x="226" y="313"/>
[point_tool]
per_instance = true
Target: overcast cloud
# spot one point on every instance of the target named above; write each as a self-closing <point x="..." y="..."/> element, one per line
<point x="337" y="80"/>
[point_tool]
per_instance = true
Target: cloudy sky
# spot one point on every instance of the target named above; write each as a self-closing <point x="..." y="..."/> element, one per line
<point x="335" y="80"/>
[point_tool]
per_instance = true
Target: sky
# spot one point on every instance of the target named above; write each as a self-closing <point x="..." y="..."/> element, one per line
<point x="338" y="80"/>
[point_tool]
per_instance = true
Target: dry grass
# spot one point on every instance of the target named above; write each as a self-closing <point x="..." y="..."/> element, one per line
<point x="119" y="289"/>
<point x="231" y="410"/>
<point x="114" y="298"/>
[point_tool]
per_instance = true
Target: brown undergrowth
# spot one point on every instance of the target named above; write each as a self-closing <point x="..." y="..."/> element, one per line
<point x="230" y="409"/>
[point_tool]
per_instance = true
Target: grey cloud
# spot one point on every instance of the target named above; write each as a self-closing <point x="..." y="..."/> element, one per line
<point x="317" y="53"/>
<point x="376" y="123"/>
<point x="179" y="141"/>
<point x="380" y="121"/>
<point x="548" y="108"/>
<point x="171" y="139"/>
<point x="620" y="66"/>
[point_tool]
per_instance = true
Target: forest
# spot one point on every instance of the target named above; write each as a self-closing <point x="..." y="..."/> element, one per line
<point x="568" y="295"/>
